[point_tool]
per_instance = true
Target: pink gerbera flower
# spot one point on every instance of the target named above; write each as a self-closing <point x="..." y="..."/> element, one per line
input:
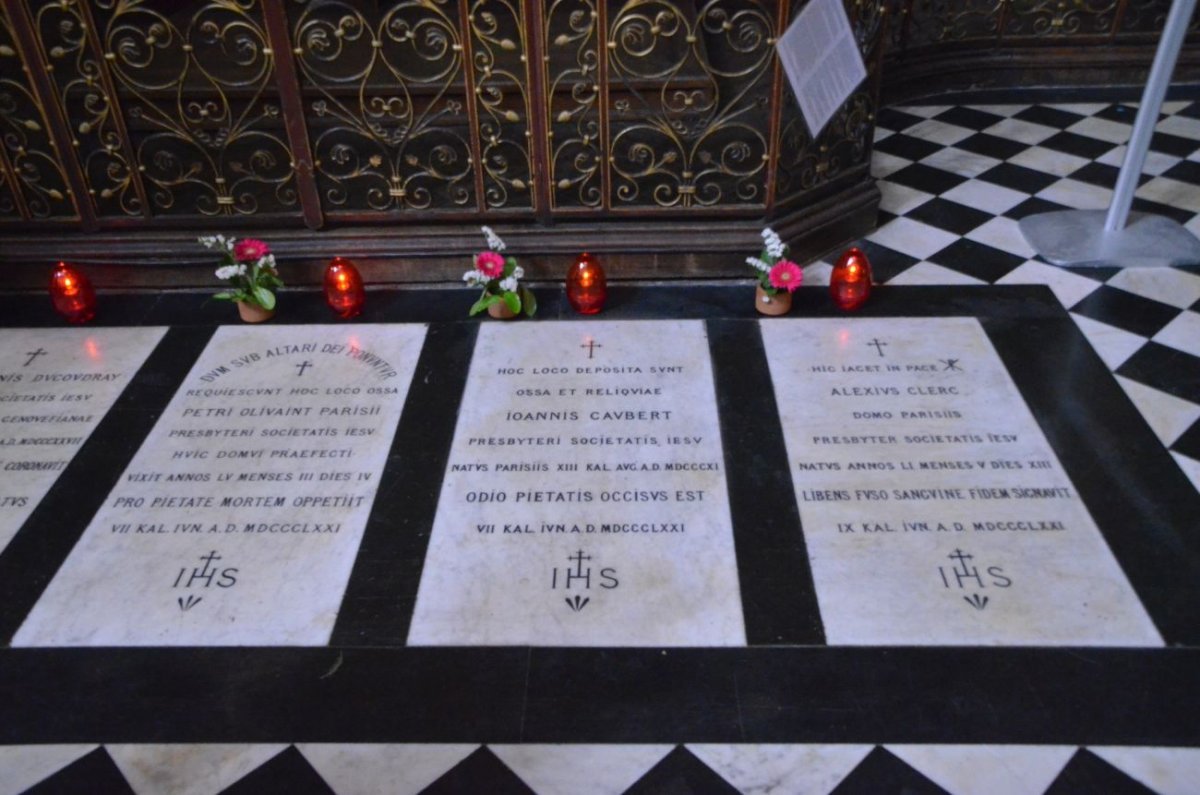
<point x="250" y="249"/>
<point x="489" y="263"/>
<point x="786" y="275"/>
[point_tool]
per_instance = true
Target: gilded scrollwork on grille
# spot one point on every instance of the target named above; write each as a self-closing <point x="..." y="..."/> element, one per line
<point x="689" y="94"/>
<point x="28" y="147"/>
<point x="1043" y="18"/>
<point x="571" y="44"/>
<point x="196" y="81"/>
<point x="935" y="21"/>
<point x="805" y="164"/>
<point x="386" y="99"/>
<point x="1150" y="16"/>
<point x="868" y="19"/>
<point x="88" y="108"/>
<point x="499" y="63"/>
<point x="8" y="205"/>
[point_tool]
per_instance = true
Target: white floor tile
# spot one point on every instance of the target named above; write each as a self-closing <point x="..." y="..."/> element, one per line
<point x="1002" y="110"/>
<point x="580" y="769"/>
<point x="1184" y="126"/>
<point x="1171" y="192"/>
<point x="1004" y="234"/>
<point x="1155" y="164"/>
<point x="1068" y="287"/>
<point x="929" y="273"/>
<point x="985" y="196"/>
<point x="939" y="132"/>
<point x="1114" y="345"/>
<point x="960" y="161"/>
<point x="899" y="199"/>
<point x="1182" y="333"/>
<point x="22" y="766"/>
<point x="1168" y="285"/>
<point x="1190" y="467"/>
<point x="188" y="769"/>
<point x="1167" y="771"/>
<point x="778" y="769"/>
<point x="883" y="164"/>
<point x="1022" y="131"/>
<point x="367" y="768"/>
<point x="1039" y="158"/>
<point x="925" y="111"/>
<point x="1168" y="415"/>
<point x="1112" y="131"/>
<point x="1082" y="108"/>
<point x="912" y="237"/>
<point x="988" y="769"/>
<point x="1077" y="195"/>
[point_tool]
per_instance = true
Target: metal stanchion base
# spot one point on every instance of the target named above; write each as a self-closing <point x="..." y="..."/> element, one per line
<point x="1077" y="238"/>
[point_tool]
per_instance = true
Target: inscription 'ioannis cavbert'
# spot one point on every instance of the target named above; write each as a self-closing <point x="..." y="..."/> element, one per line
<point x="585" y="466"/>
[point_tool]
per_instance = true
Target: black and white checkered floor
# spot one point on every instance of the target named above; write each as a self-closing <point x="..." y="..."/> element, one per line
<point x="956" y="180"/>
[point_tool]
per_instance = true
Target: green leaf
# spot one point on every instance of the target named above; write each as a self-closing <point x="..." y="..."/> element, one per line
<point x="528" y="302"/>
<point x="510" y="265"/>
<point x="264" y="297"/>
<point x="226" y="296"/>
<point x="514" y="302"/>
<point x="485" y="300"/>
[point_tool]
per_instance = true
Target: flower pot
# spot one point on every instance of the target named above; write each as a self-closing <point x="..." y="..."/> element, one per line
<point x="766" y="304"/>
<point x="253" y="313"/>
<point x="500" y="311"/>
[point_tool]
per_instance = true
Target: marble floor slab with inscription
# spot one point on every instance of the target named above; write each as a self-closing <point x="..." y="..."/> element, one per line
<point x="802" y="635"/>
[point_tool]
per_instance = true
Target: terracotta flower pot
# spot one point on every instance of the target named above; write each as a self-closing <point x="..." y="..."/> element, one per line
<point x="779" y="304"/>
<point x="253" y="313"/>
<point x="500" y="311"/>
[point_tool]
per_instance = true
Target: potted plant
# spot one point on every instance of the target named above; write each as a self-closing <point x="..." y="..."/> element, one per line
<point x="778" y="277"/>
<point x="249" y="267"/>
<point x="504" y="297"/>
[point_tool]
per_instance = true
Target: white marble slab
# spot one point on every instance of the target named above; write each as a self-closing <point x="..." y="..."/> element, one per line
<point x="238" y="520"/>
<point x="55" y="387"/>
<point x="585" y="499"/>
<point x="934" y="510"/>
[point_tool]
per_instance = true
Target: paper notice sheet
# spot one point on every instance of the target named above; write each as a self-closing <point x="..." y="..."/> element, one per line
<point x="822" y="60"/>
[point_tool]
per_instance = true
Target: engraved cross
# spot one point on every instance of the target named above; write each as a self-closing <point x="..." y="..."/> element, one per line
<point x="33" y="355"/>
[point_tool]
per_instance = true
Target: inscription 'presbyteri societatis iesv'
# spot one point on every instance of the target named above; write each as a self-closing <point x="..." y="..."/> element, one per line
<point x="55" y="387"/>
<point x="238" y="520"/>
<point x="585" y="502"/>
<point x="934" y="510"/>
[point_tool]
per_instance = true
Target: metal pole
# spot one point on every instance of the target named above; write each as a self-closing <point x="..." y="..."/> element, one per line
<point x="1147" y="117"/>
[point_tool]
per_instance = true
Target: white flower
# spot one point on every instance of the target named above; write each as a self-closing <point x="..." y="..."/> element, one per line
<point x="474" y="278"/>
<point x="518" y="272"/>
<point x="774" y="245"/>
<point x="493" y="240"/>
<point x="757" y="264"/>
<point x="508" y="285"/>
<point x="229" y="271"/>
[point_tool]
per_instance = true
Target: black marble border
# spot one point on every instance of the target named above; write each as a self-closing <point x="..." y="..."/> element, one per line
<point x="789" y="692"/>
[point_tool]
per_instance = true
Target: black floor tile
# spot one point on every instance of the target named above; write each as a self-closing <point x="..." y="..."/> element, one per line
<point x="1103" y="175"/>
<point x="286" y="773"/>
<point x="1125" y="310"/>
<point x="971" y="118"/>
<point x="977" y="260"/>
<point x="1173" y="144"/>
<point x="883" y="772"/>
<point x="481" y="772"/>
<point x="896" y="120"/>
<point x="1079" y="145"/>
<point x="926" y="178"/>
<point x="1088" y="774"/>
<point x="93" y="774"/>
<point x="1099" y="274"/>
<point x="1188" y="442"/>
<point x="1191" y="111"/>
<point x="1120" y="113"/>
<point x="907" y="146"/>
<point x="1166" y="369"/>
<point x="886" y="263"/>
<point x="1049" y="117"/>
<point x="1184" y="171"/>
<point x="951" y="216"/>
<point x="1033" y="206"/>
<point x="1010" y="175"/>
<point x="991" y="146"/>
<point x="681" y="772"/>
<point x="1154" y="208"/>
